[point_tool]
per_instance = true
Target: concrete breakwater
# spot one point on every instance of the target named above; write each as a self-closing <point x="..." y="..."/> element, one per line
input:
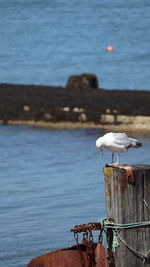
<point x="49" y="106"/>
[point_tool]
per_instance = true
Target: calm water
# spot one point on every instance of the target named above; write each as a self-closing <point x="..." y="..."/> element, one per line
<point x="44" y="42"/>
<point x="49" y="181"/>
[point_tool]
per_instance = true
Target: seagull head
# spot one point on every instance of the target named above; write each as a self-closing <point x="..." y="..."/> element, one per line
<point x="99" y="144"/>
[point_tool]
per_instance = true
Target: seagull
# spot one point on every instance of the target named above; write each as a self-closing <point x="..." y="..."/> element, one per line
<point x="116" y="142"/>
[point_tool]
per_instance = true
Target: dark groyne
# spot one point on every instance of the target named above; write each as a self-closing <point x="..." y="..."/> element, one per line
<point x="57" y="104"/>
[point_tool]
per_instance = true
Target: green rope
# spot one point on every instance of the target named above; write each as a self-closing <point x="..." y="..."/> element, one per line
<point x="115" y="242"/>
<point x="105" y="224"/>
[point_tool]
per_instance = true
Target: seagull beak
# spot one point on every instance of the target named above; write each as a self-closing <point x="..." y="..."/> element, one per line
<point x="101" y="151"/>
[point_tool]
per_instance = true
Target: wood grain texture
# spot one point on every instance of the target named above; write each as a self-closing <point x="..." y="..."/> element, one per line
<point x="125" y="204"/>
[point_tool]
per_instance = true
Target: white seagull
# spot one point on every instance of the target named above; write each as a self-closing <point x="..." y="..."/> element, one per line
<point x="116" y="142"/>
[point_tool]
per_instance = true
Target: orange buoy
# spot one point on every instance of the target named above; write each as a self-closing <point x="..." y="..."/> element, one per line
<point x="110" y="48"/>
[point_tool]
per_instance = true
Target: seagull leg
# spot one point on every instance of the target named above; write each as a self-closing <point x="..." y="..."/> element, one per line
<point x="118" y="157"/>
<point x="112" y="157"/>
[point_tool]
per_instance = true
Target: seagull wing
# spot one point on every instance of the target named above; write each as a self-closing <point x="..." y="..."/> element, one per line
<point x="120" y="139"/>
<point x="123" y="140"/>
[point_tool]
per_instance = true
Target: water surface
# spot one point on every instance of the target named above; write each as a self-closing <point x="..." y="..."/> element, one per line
<point x="50" y="180"/>
<point x="44" y="42"/>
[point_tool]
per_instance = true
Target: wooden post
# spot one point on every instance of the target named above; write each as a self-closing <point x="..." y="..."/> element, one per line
<point x="128" y="201"/>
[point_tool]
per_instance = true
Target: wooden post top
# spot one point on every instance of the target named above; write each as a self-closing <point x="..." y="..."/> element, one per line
<point x="128" y="169"/>
<point x="119" y="166"/>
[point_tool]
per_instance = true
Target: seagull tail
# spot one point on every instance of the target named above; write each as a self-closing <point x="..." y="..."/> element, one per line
<point x="138" y="144"/>
<point x="134" y="143"/>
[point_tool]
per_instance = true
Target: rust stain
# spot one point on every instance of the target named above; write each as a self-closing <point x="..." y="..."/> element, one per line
<point x="78" y="255"/>
<point x="129" y="173"/>
<point x="100" y="256"/>
<point x="63" y="257"/>
<point x="120" y="182"/>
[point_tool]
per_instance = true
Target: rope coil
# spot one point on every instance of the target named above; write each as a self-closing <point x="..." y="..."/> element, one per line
<point x="112" y="225"/>
<point x="116" y="228"/>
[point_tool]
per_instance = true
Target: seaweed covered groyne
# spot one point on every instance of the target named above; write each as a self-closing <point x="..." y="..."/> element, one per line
<point x="58" y="104"/>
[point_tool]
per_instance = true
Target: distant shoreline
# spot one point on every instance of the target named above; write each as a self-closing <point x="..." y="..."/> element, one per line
<point x="138" y="128"/>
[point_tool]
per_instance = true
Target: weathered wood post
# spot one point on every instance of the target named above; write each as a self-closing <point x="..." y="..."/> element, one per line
<point x="128" y="202"/>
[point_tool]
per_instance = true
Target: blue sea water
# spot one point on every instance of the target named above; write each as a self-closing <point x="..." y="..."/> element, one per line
<point x="50" y="180"/>
<point x="44" y="42"/>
